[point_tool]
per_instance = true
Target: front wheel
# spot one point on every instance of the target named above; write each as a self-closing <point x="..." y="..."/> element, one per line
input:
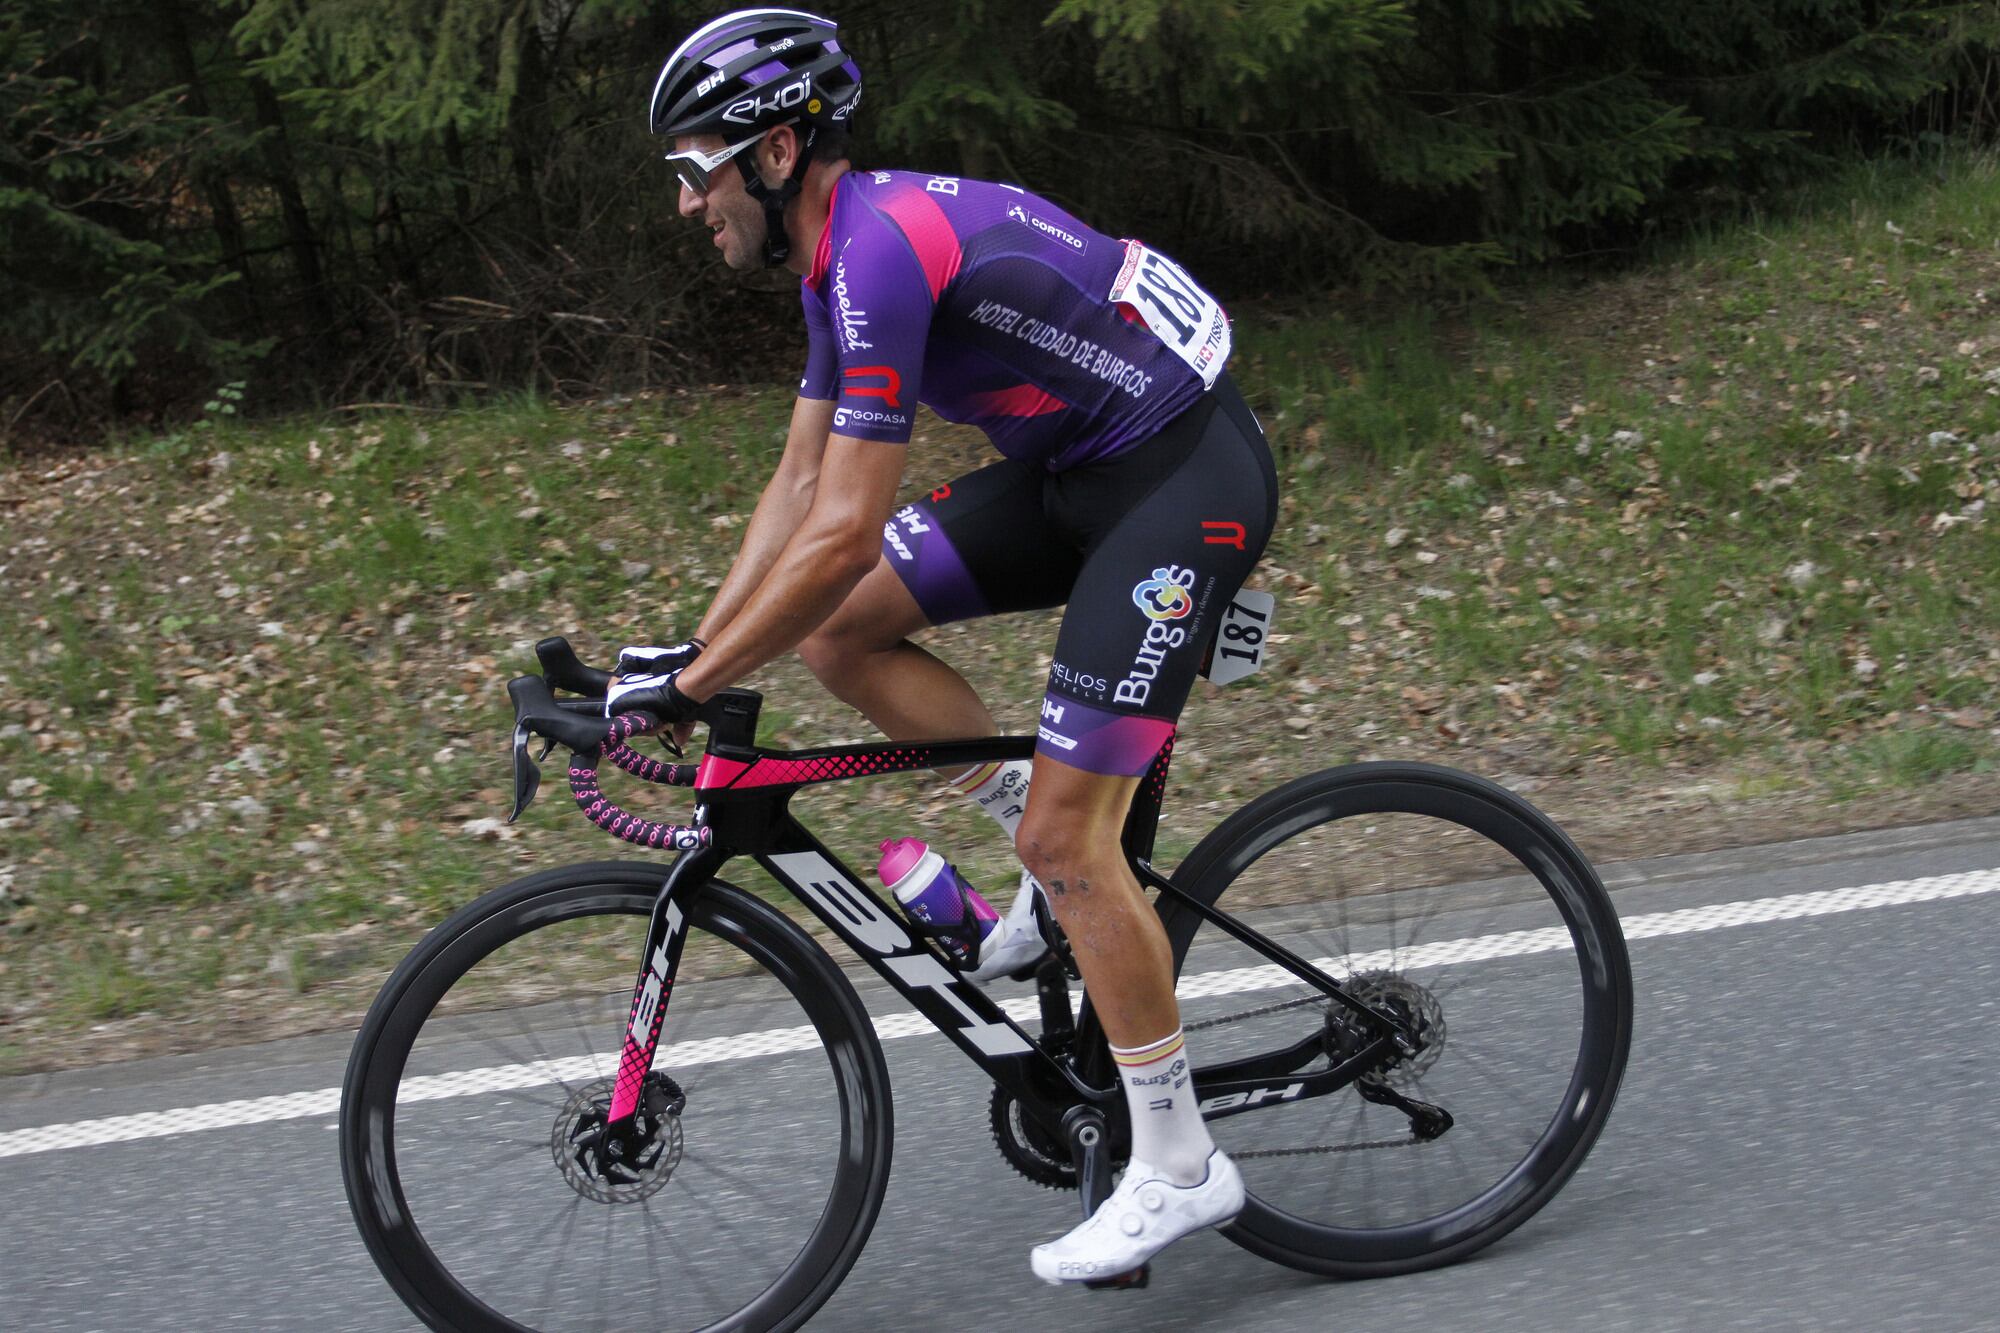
<point x="470" y="1118"/>
<point x="1459" y="908"/>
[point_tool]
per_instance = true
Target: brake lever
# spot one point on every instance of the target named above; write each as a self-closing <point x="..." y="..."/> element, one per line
<point x="527" y="771"/>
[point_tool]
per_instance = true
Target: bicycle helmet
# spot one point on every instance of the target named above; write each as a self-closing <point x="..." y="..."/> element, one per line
<point x="752" y="70"/>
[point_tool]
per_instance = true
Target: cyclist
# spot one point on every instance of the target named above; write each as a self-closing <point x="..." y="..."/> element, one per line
<point x="1133" y="485"/>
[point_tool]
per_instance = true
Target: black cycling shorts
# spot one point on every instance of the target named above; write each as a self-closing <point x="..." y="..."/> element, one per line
<point x="1146" y="549"/>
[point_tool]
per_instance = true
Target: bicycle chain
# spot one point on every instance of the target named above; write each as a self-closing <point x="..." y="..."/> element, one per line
<point x="1327" y="1148"/>
<point x="1252" y="1013"/>
<point x="1295" y="1152"/>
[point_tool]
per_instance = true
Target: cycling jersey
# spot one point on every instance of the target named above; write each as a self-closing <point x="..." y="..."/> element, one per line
<point x="995" y="308"/>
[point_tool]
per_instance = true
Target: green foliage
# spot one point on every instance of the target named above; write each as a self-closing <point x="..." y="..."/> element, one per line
<point x="86" y="179"/>
<point x="431" y="197"/>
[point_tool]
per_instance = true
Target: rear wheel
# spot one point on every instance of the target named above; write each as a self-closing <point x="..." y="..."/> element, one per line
<point x="757" y="1162"/>
<point x="1456" y="906"/>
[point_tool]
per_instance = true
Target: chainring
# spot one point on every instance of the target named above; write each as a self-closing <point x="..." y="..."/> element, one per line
<point x="1029" y="1148"/>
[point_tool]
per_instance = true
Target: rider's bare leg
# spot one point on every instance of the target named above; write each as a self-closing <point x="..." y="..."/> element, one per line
<point x="1176" y="1181"/>
<point x="1070" y="839"/>
<point x="863" y="655"/>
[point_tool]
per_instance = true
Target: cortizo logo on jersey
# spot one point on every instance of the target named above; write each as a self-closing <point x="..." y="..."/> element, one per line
<point x="1048" y="229"/>
<point x="746" y="111"/>
<point x="859" y="918"/>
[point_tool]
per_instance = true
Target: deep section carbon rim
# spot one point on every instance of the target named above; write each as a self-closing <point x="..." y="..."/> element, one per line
<point x="1442" y="899"/>
<point x="471" y="1125"/>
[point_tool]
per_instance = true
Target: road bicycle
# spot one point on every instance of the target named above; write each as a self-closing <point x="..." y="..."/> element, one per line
<point x="1410" y="1024"/>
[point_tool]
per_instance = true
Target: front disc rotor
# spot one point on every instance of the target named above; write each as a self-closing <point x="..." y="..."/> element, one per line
<point x="626" y="1163"/>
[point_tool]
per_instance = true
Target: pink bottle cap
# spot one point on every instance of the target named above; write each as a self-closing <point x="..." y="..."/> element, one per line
<point x="899" y="855"/>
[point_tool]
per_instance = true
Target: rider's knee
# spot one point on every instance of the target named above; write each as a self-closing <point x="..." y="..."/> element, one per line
<point x="825" y="653"/>
<point x="1057" y="844"/>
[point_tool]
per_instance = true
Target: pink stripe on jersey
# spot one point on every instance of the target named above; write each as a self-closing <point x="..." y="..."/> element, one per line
<point x="1023" y="400"/>
<point x="823" y="252"/>
<point x="930" y="234"/>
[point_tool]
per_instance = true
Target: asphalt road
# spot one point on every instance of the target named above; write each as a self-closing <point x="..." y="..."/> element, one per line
<point x="1806" y="1139"/>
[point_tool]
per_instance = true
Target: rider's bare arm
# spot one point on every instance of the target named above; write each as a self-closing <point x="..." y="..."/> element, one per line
<point x="780" y="511"/>
<point x="838" y="541"/>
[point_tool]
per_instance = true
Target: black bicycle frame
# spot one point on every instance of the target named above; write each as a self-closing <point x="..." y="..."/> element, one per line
<point x="744" y="795"/>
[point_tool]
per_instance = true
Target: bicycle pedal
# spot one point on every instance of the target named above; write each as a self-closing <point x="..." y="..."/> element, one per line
<point x="1131" y="1281"/>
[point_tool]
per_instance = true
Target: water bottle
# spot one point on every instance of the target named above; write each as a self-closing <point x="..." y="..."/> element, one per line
<point x="933" y="892"/>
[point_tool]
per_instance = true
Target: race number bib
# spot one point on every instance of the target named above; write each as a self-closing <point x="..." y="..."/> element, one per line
<point x="1177" y="311"/>
<point x="1243" y="636"/>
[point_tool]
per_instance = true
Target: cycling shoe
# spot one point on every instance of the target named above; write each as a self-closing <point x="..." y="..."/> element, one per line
<point x="1144" y="1215"/>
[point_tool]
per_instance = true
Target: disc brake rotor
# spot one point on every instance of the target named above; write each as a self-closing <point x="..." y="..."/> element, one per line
<point x="619" y="1164"/>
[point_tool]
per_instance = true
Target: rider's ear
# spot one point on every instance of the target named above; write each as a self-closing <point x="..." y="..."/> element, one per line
<point x="778" y="154"/>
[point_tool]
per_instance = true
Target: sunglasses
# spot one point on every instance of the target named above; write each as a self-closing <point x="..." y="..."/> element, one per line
<point x="696" y="168"/>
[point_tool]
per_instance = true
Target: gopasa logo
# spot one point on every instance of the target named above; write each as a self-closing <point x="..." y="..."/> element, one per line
<point x="1165" y="596"/>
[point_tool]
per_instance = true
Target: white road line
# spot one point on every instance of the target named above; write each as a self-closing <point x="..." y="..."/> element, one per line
<point x="326" y="1101"/>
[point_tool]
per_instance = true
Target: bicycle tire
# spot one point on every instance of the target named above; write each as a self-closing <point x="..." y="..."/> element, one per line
<point x="1478" y="818"/>
<point x="610" y="901"/>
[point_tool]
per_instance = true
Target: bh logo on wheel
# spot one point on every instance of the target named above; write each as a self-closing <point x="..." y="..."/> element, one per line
<point x="1165" y="596"/>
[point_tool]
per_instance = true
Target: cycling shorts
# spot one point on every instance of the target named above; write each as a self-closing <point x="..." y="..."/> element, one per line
<point x="1146" y="548"/>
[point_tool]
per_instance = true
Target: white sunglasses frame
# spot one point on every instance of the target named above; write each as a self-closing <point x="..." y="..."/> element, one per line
<point x="691" y="164"/>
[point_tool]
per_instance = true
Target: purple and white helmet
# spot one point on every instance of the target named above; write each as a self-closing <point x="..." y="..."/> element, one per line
<point x="747" y="71"/>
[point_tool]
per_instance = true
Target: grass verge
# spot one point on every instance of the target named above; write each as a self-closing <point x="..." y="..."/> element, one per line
<point x="1698" y="552"/>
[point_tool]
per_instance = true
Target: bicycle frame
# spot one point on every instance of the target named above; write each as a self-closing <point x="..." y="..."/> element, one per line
<point x="744" y="794"/>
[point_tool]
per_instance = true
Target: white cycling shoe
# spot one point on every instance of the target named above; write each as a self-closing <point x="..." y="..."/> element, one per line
<point x="1016" y="942"/>
<point x="1144" y="1215"/>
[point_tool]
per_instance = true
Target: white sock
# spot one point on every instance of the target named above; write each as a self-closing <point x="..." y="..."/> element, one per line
<point x="1001" y="790"/>
<point x="1168" y="1133"/>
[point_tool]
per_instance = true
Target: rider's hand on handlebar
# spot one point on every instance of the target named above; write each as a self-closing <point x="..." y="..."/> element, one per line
<point x="654" y="694"/>
<point x="647" y="660"/>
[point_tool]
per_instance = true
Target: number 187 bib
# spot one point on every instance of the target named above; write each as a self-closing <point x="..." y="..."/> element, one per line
<point x="1175" y="309"/>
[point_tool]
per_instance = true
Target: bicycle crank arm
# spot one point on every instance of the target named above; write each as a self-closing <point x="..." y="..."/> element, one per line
<point x="1090" y="1145"/>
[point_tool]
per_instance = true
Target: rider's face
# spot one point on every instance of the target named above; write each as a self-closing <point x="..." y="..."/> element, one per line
<point x="727" y="208"/>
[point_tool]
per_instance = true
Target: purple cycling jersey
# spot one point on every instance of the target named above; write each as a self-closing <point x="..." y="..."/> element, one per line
<point x="995" y="308"/>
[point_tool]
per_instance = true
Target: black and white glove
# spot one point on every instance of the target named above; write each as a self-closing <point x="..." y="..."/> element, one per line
<point x="646" y="660"/>
<point x="655" y="694"/>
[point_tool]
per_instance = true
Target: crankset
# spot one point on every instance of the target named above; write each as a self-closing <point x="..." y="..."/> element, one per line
<point x="1033" y="1151"/>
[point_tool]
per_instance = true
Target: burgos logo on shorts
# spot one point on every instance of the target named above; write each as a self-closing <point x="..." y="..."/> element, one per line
<point x="1165" y="596"/>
